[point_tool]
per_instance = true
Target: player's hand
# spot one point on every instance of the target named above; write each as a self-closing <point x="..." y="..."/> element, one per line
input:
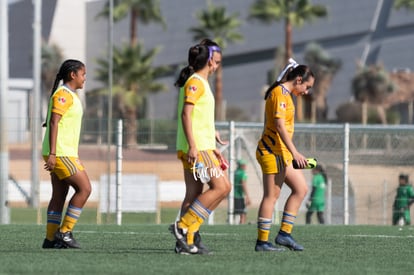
<point x="247" y="201"/>
<point x="51" y="163"/>
<point x="219" y="140"/>
<point x="301" y="160"/>
<point x="192" y="155"/>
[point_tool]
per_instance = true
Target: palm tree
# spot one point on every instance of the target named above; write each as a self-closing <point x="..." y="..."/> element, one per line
<point x="371" y="85"/>
<point x="294" y="13"/>
<point x="324" y="67"/>
<point x="215" y="24"/>
<point x="133" y="70"/>
<point x="144" y="11"/>
<point x="406" y="4"/>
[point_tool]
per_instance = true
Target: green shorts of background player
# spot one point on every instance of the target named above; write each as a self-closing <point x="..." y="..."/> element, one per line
<point x="317" y="207"/>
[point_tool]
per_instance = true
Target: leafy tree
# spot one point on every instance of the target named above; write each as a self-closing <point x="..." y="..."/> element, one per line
<point x="294" y="13"/>
<point x="135" y="78"/>
<point x="127" y="83"/>
<point x="370" y="86"/>
<point x="143" y="11"/>
<point x="216" y="24"/>
<point x="324" y="67"/>
<point x="405" y="4"/>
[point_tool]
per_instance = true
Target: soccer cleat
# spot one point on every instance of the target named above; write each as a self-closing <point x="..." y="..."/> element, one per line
<point x="177" y="248"/>
<point x="267" y="246"/>
<point x="66" y="239"/>
<point x="288" y="241"/>
<point x="181" y="237"/>
<point x="52" y="244"/>
<point x="202" y="249"/>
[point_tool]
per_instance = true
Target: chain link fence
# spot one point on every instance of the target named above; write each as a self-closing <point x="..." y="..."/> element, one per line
<point x="369" y="158"/>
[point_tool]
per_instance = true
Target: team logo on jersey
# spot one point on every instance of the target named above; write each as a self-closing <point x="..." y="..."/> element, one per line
<point x="62" y="100"/>
<point x="282" y="105"/>
<point x="192" y="88"/>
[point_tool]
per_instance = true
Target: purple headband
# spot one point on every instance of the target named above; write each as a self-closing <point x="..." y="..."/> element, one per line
<point x="212" y="49"/>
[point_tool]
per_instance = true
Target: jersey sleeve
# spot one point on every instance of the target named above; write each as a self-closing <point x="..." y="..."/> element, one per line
<point x="279" y="103"/>
<point x="193" y="89"/>
<point x="62" y="100"/>
<point x="411" y="192"/>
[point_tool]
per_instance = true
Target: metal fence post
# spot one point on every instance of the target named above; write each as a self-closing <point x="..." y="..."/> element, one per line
<point x="119" y="174"/>
<point x="346" y="184"/>
<point x="4" y="76"/>
<point x="232" y="161"/>
<point x="329" y="202"/>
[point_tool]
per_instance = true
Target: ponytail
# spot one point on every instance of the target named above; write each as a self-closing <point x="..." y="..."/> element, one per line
<point x="198" y="57"/>
<point x="185" y="73"/>
<point x="290" y="72"/>
<point x="67" y="67"/>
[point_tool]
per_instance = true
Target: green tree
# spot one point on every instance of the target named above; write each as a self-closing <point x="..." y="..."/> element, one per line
<point x="135" y="78"/>
<point x="216" y="24"/>
<point x="294" y="13"/>
<point x="405" y="4"/>
<point x="143" y="11"/>
<point x="324" y="66"/>
<point x="370" y="86"/>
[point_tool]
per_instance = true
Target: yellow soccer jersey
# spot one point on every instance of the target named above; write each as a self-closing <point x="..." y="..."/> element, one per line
<point x="197" y="91"/>
<point x="279" y="104"/>
<point x="67" y="104"/>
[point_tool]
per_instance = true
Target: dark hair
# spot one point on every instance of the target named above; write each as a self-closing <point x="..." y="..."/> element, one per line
<point x="404" y="177"/>
<point x="212" y="46"/>
<point x="198" y="56"/>
<point x="301" y="70"/>
<point x="67" y="67"/>
<point x="197" y="59"/>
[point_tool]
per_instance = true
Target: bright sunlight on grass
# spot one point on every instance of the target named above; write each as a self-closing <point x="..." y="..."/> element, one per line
<point x="148" y="249"/>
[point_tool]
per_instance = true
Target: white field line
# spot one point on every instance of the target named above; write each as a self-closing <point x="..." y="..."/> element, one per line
<point x="146" y="233"/>
<point x="380" y="236"/>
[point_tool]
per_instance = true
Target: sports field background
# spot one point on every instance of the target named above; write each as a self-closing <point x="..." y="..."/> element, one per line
<point x="148" y="249"/>
<point x="377" y="155"/>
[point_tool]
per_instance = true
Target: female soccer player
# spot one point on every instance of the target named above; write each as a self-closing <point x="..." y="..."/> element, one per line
<point x="275" y="153"/>
<point x="60" y="152"/>
<point x="196" y="144"/>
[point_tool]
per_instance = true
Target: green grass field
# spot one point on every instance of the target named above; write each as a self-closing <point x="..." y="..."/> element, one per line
<point x="148" y="249"/>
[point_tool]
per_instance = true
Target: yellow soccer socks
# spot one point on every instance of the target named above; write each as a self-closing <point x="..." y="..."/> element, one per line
<point x="53" y="222"/>
<point x="264" y="225"/>
<point x="71" y="218"/>
<point x="288" y="220"/>
<point x="193" y="219"/>
<point x="263" y="229"/>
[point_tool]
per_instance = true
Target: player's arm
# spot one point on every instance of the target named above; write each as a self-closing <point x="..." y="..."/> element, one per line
<point x="411" y="192"/>
<point x="188" y="130"/>
<point x="246" y="194"/>
<point x="53" y="132"/>
<point x="219" y="140"/>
